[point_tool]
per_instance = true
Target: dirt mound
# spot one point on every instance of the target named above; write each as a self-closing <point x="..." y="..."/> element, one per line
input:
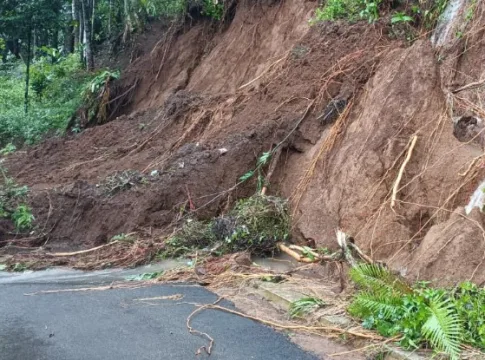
<point x="363" y="121"/>
<point x="192" y="149"/>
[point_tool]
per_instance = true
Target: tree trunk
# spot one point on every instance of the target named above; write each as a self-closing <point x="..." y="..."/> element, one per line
<point x="87" y="35"/>
<point x="109" y="18"/>
<point x="128" y="23"/>
<point x="93" y="7"/>
<point x="75" y="20"/>
<point x="81" y="35"/>
<point x="27" y="72"/>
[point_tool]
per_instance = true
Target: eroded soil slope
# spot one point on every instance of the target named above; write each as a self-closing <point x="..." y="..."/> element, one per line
<point x="209" y="101"/>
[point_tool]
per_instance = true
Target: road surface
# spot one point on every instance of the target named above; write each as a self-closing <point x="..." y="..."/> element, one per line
<point x="116" y="325"/>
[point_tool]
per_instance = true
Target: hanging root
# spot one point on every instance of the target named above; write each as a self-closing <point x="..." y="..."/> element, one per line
<point x="395" y="188"/>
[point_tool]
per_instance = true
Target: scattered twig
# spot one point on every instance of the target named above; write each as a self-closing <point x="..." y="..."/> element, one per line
<point x="168" y="297"/>
<point x="292" y="327"/>
<point x="207" y="349"/>
<point x="395" y="188"/>
<point x="361" y="253"/>
<point x="122" y="285"/>
<point x="191" y="204"/>
<point x="469" y="86"/>
<point x="82" y="251"/>
<point x="264" y="72"/>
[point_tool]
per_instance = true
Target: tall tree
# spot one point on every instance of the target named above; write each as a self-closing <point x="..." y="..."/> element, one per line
<point x="87" y="25"/>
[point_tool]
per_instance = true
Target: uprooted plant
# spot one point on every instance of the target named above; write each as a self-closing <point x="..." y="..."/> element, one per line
<point x="255" y="224"/>
<point x="96" y="101"/>
<point x="12" y="202"/>
<point x="419" y="316"/>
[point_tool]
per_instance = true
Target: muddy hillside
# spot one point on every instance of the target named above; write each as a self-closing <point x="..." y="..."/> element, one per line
<point x="374" y="134"/>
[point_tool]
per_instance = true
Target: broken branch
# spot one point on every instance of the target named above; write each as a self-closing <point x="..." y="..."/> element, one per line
<point x="82" y="251"/>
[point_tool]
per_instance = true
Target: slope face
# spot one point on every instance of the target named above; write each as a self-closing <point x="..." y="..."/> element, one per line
<point x="208" y="102"/>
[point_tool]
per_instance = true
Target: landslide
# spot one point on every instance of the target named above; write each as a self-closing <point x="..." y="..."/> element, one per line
<point x="208" y="100"/>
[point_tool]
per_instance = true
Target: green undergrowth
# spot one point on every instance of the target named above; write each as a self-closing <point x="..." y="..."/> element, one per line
<point x="13" y="202"/>
<point x="419" y="316"/>
<point x="420" y="14"/>
<point x="255" y="224"/>
<point x="56" y="91"/>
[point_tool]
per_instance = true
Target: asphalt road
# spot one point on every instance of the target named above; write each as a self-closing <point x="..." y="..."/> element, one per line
<point x="115" y="325"/>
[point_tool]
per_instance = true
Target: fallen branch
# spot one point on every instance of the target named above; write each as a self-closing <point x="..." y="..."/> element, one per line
<point x="168" y="297"/>
<point x="395" y="188"/>
<point x="300" y="258"/>
<point x="303" y="250"/>
<point x="82" y="251"/>
<point x="288" y="251"/>
<point x="122" y="285"/>
<point x="290" y="327"/>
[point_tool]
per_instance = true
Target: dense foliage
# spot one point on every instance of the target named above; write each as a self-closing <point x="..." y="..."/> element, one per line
<point x="57" y="92"/>
<point x="419" y="315"/>
<point x="47" y="52"/>
<point x="421" y="13"/>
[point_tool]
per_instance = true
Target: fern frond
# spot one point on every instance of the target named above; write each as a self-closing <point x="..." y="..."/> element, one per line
<point x="443" y="329"/>
<point x="379" y="280"/>
<point x="387" y="306"/>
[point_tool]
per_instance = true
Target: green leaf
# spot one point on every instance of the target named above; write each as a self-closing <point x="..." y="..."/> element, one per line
<point x="379" y="280"/>
<point x="264" y="158"/>
<point x="384" y="305"/>
<point x="247" y="176"/>
<point x="443" y="329"/>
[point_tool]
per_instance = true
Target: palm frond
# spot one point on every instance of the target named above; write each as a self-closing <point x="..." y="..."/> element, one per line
<point x="443" y="329"/>
<point x="366" y="302"/>
<point x="379" y="280"/>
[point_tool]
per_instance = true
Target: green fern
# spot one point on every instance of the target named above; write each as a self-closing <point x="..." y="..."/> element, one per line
<point x="379" y="280"/>
<point x="390" y="305"/>
<point x="386" y="306"/>
<point x="443" y="329"/>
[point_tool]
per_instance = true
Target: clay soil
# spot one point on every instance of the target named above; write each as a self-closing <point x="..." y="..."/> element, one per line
<point x="208" y="100"/>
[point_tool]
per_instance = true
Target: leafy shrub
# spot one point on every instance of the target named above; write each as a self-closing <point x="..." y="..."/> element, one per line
<point x="12" y="202"/>
<point x="442" y="318"/>
<point x="22" y="217"/>
<point x="348" y="9"/>
<point x="213" y="9"/>
<point x="426" y="13"/>
<point x="255" y="224"/>
<point x="400" y="17"/>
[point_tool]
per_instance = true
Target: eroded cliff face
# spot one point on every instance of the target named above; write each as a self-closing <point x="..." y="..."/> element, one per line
<point x="389" y="170"/>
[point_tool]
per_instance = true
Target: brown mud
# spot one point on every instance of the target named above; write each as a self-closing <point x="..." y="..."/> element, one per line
<point x="208" y="101"/>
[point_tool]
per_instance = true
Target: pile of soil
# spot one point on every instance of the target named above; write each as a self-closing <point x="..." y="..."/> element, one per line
<point x="209" y="101"/>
